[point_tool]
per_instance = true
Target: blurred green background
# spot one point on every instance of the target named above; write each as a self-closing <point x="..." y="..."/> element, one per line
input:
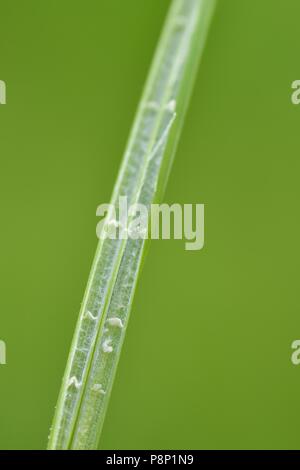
<point x="206" y="362"/>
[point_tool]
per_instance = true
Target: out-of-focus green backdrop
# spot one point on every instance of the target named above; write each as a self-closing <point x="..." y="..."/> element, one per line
<point x="206" y="362"/>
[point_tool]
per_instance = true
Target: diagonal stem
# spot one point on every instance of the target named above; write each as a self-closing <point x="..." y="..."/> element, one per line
<point x="105" y="310"/>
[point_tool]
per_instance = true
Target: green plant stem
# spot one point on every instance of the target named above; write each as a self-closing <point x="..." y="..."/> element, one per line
<point x="104" y="314"/>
